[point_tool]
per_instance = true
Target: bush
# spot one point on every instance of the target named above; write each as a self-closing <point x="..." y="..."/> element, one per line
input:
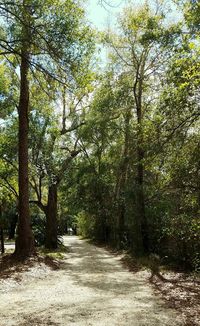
<point x="38" y="226"/>
<point x="183" y="241"/>
<point x="85" y="224"/>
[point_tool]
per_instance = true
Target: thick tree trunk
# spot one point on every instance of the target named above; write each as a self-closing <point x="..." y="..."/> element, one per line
<point x="51" y="241"/>
<point x="25" y="240"/>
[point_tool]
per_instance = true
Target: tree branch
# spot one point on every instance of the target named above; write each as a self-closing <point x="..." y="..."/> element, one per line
<point x="39" y="204"/>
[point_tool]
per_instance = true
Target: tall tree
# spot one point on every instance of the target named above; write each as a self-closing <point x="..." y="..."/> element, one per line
<point x="54" y="145"/>
<point x="25" y="240"/>
<point x="140" y="50"/>
<point x="48" y="37"/>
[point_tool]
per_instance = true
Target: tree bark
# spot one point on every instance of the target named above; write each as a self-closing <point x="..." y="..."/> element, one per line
<point x="141" y="202"/>
<point x="121" y="184"/>
<point x="51" y="241"/>
<point x="142" y="242"/>
<point x="2" y="240"/>
<point x="50" y="209"/>
<point x="1" y="234"/>
<point x="12" y="227"/>
<point x="25" y="241"/>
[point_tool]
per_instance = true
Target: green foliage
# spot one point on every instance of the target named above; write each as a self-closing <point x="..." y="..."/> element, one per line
<point x="191" y="9"/>
<point x="142" y="111"/>
<point x="107" y="172"/>
<point x="85" y="224"/>
<point x="38" y="226"/>
<point x="185" y="231"/>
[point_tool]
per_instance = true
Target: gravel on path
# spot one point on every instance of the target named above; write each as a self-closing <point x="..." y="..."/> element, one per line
<point x="91" y="288"/>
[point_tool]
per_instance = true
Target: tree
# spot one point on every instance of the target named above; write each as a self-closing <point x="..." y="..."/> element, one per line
<point x="140" y="52"/>
<point x="1" y="232"/>
<point x="38" y="38"/>
<point x="54" y="145"/>
<point x="191" y="12"/>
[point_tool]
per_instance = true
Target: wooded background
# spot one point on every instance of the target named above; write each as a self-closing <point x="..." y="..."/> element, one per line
<point x="111" y="151"/>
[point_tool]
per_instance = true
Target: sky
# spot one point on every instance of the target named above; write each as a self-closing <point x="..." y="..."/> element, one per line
<point x="104" y="17"/>
<point x="100" y="15"/>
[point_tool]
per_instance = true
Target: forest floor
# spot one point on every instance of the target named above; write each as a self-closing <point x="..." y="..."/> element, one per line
<point x="89" y="285"/>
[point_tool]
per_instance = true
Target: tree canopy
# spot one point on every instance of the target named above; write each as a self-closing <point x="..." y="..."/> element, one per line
<point x="111" y="151"/>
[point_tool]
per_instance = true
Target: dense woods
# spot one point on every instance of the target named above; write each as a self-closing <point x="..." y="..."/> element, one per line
<point x="110" y="149"/>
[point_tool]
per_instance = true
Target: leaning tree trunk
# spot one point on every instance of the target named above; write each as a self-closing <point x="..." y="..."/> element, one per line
<point x="25" y="240"/>
<point x="51" y="241"/>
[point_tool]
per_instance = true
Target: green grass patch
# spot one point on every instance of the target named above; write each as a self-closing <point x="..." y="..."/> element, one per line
<point x="58" y="253"/>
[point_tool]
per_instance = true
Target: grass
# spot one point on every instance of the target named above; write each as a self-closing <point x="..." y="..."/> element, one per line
<point x="58" y="253"/>
<point x="9" y="241"/>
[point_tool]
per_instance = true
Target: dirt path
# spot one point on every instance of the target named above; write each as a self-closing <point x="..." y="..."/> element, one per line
<point x="91" y="288"/>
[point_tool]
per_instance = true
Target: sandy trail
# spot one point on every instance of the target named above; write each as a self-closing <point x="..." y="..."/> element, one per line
<point x="91" y="288"/>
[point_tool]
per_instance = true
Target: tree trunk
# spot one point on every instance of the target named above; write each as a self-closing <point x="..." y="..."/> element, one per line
<point x="1" y="234"/>
<point x="51" y="241"/>
<point x="121" y="184"/>
<point x="25" y="240"/>
<point x="12" y="227"/>
<point x="142" y="242"/>
<point x="141" y="202"/>
<point x="198" y="185"/>
<point x="2" y="240"/>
